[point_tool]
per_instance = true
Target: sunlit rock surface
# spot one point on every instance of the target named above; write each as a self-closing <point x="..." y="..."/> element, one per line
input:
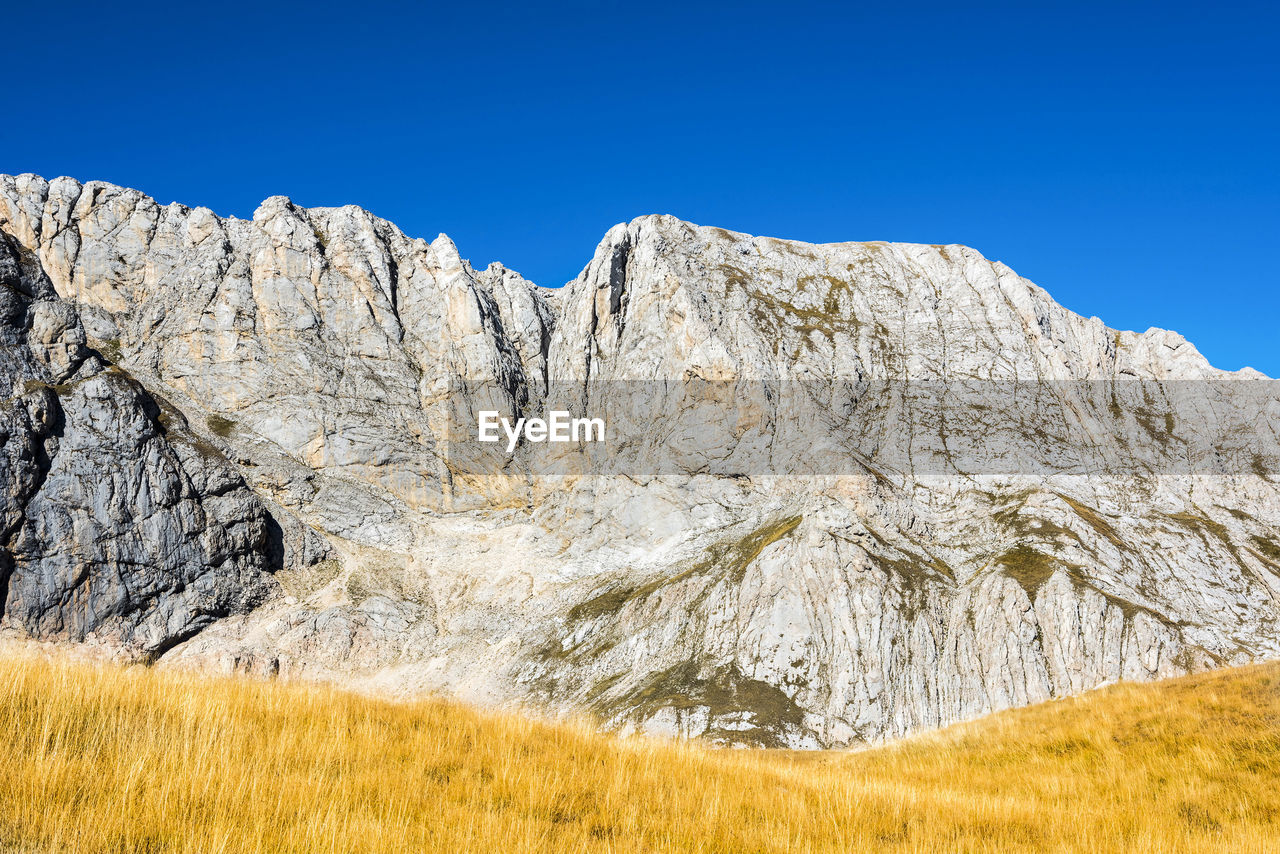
<point x="251" y="470"/>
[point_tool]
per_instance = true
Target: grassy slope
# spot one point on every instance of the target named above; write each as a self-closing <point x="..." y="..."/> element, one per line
<point x="106" y="759"/>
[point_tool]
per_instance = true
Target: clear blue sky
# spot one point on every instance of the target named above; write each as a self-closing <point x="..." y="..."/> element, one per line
<point x="1122" y="156"/>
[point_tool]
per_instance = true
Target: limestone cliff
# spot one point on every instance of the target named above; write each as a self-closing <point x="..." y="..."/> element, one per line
<point x="291" y="379"/>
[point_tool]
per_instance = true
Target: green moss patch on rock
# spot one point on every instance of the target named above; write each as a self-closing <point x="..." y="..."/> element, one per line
<point x="729" y="560"/>
<point x="220" y="426"/>
<point x="1095" y="521"/>
<point x="1268" y="546"/>
<point x="1027" y="566"/>
<point x="109" y="349"/>
<point x="724" y="691"/>
<point x="774" y="313"/>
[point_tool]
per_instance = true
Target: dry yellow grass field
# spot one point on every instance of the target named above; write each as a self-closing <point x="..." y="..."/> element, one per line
<point x="101" y="758"/>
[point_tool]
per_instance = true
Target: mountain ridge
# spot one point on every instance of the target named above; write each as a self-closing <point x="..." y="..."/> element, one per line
<point x="309" y="351"/>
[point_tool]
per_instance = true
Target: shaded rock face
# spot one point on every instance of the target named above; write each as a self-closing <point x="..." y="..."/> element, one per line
<point x="313" y="350"/>
<point x="112" y="524"/>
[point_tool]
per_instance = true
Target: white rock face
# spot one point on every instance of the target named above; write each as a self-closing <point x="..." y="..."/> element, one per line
<point x="880" y="593"/>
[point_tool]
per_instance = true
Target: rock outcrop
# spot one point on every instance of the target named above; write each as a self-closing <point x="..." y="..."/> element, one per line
<point x="115" y="522"/>
<point x="834" y="556"/>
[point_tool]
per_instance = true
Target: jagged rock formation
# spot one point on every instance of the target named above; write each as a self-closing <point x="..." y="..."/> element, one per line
<point x="116" y="522"/>
<point x="316" y="354"/>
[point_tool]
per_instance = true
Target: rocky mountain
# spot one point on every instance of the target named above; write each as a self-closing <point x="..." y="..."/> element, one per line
<point x="907" y="487"/>
<point x="116" y="518"/>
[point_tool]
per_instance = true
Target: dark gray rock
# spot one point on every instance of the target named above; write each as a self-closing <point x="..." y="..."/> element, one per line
<point x="115" y="520"/>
